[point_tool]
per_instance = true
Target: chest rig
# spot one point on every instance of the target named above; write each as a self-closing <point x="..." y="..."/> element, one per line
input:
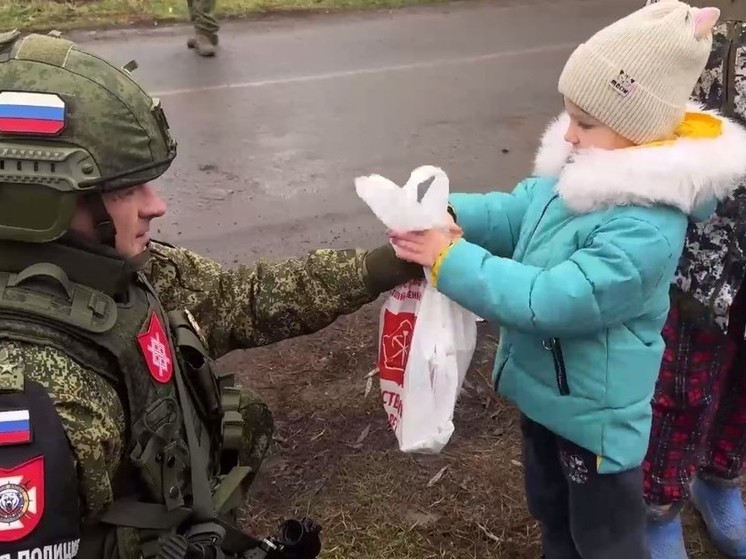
<point x="180" y="461"/>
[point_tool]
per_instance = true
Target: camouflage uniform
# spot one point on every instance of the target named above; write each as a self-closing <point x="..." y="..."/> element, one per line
<point x="236" y="308"/>
<point x="118" y="438"/>
<point x="202" y="15"/>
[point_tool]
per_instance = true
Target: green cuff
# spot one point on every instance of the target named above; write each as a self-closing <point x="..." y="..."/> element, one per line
<point x="384" y="270"/>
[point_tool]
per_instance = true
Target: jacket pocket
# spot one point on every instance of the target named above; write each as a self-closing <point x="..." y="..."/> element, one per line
<point x="554" y="345"/>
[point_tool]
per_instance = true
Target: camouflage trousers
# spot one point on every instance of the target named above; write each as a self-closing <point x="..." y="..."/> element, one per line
<point x="257" y="433"/>
<point x="202" y="15"/>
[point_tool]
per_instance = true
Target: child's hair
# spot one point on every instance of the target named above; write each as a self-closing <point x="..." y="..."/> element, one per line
<point x="637" y="74"/>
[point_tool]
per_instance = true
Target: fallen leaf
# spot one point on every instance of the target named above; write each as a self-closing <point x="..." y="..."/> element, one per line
<point x="420" y="518"/>
<point x="369" y="381"/>
<point x="362" y="436"/>
<point x="436" y="478"/>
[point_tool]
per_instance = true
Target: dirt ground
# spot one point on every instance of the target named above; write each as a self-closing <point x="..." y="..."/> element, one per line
<point x="335" y="459"/>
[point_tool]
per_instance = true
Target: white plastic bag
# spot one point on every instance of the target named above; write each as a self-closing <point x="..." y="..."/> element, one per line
<point x="426" y="341"/>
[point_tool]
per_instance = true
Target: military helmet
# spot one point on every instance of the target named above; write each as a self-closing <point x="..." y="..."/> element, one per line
<point x="71" y="125"/>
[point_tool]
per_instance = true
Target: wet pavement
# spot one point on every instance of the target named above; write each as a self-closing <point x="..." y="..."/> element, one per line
<point x="273" y="131"/>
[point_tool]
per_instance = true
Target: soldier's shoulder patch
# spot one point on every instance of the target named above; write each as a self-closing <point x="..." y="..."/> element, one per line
<point x="37" y="476"/>
<point x="155" y="348"/>
<point x="11" y="372"/>
<point x="21" y="499"/>
<point x="15" y="427"/>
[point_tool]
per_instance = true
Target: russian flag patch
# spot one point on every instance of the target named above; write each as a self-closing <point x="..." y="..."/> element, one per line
<point x="25" y="112"/>
<point x="15" y="427"/>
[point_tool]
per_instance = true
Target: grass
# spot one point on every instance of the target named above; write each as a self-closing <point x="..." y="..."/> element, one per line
<point x="336" y="460"/>
<point x="63" y="15"/>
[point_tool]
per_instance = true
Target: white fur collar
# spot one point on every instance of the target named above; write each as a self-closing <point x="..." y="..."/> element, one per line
<point x="682" y="174"/>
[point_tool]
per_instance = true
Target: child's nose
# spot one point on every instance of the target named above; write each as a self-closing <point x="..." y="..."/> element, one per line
<point x="571" y="135"/>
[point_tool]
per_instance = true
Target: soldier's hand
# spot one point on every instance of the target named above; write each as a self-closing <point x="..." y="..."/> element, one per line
<point x="385" y="270"/>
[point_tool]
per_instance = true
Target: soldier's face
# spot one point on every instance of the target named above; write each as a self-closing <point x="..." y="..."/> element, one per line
<point x="584" y="131"/>
<point x="131" y="209"/>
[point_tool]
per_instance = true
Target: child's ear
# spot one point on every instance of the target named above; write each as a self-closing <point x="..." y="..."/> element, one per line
<point x="704" y="19"/>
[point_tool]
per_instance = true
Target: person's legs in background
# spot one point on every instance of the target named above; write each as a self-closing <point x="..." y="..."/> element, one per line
<point x="202" y="16"/>
<point x="716" y="491"/>
<point x="685" y="401"/>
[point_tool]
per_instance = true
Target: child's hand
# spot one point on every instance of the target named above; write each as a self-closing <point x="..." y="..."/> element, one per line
<point x="423" y="247"/>
<point x="453" y="228"/>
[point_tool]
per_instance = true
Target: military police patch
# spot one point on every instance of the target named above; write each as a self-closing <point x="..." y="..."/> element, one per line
<point x="156" y="350"/>
<point x="21" y="499"/>
<point x="28" y="488"/>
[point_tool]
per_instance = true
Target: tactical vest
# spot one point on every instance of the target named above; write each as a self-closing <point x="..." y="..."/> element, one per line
<point x="183" y="423"/>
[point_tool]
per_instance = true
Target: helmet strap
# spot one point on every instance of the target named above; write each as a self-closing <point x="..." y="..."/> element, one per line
<point x="101" y="219"/>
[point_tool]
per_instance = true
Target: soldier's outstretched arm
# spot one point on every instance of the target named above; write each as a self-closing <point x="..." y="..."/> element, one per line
<point x="243" y="307"/>
<point x="61" y="432"/>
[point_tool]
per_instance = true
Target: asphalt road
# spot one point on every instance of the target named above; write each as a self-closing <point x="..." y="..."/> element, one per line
<point x="273" y="131"/>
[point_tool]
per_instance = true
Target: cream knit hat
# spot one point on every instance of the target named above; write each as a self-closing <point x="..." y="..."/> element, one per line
<point x="637" y="74"/>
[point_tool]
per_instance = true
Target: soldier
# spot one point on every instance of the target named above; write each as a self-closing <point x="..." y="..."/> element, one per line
<point x="699" y="409"/>
<point x="117" y="438"/>
<point x="202" y="15"/>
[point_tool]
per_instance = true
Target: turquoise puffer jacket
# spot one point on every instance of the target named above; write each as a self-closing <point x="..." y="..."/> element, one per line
<point x="575" y="266"/>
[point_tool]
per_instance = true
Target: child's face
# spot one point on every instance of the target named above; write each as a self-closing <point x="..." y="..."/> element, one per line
<point x="585" y="131"/>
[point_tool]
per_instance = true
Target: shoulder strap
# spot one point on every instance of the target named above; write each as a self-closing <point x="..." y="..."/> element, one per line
<point x="202" y="505"/>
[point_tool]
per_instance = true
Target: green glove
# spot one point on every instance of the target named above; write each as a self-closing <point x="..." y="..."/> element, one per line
<point x="384" y="270"/>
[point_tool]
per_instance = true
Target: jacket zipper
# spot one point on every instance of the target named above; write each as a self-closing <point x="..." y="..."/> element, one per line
<point x="728" y="74"/>
<point x="559" y="361"/>
<point x="499" y="374"/>
<point x="544" y="211"/>
<point x="559" y="365"/>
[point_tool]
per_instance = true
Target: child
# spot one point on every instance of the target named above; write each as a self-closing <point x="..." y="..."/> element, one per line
<point x="575" y="265"/>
